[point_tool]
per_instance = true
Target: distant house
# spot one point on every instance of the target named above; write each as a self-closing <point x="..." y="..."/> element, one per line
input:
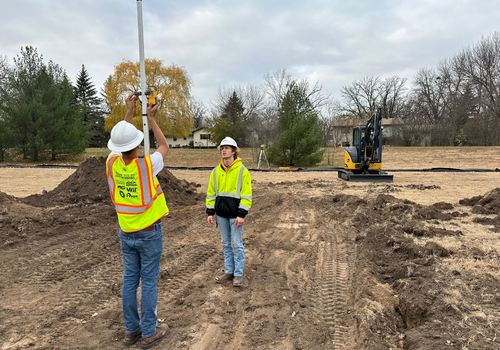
<point x="199" y="138"/>
<point x="178" y="142"/>
<point x="341" y="135"/>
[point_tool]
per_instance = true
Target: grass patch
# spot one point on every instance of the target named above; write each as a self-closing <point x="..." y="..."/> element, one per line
<point x="191" y="157"/>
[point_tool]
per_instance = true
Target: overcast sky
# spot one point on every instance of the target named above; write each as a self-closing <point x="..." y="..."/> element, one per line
<point x="229" y="42"/>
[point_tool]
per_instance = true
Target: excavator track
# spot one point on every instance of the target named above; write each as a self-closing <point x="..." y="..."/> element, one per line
<point x="381" y="176"/>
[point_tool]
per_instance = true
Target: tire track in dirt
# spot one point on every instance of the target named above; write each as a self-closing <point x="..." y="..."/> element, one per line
<point x="335" y="261"/>
<point x="62" y="289"/>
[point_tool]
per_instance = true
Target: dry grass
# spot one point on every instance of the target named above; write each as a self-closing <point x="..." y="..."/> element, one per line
<point x="393" y="157"/>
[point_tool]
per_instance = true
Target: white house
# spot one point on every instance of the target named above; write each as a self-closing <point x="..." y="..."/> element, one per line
<point x="200" y="138"/>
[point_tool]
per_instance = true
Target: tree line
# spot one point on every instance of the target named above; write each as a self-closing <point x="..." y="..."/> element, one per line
<point x="455" y="103"/>
<point x="43" y="115"/>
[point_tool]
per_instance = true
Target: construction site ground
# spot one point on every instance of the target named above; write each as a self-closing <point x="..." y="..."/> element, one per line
<point x="412" y="264"/>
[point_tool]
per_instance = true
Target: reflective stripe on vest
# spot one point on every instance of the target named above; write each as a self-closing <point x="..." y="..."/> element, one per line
<point x="146" y="191"/>
<point x="236" y="195"/>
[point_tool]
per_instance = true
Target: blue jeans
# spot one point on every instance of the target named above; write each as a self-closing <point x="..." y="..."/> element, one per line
<point x="141" y="253"/>
<point x="232" y="245"/>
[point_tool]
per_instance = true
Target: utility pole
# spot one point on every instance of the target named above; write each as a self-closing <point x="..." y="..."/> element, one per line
<point x="144" y="98"/>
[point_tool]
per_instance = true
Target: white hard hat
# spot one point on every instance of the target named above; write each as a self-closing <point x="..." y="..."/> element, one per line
<point x="228" y="141"/>
<point x="124" y="137"/>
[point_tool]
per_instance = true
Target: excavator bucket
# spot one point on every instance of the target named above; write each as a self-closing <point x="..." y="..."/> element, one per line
<point x="380" y="176"/>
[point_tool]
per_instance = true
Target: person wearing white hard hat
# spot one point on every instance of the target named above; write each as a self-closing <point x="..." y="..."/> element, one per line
<point x="229" y="198"/>
<point x="140" y="204"/>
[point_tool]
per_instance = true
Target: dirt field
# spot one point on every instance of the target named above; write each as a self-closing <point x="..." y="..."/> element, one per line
<point x="329" y="264"/>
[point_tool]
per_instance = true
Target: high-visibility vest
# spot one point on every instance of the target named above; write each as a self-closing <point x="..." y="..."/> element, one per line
<point x="137" y="195"/>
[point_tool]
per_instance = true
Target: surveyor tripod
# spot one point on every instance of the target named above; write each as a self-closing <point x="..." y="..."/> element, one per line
<point x="262" y="152"/>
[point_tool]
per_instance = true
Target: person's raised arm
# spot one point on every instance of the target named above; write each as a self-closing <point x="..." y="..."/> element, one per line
<point x="160" y="138"/>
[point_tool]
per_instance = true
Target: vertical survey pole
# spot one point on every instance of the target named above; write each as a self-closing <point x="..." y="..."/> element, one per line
<point x="144" y="98"/>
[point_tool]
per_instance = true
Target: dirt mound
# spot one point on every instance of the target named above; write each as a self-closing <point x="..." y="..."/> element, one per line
<point x="79" y="202"/>
<point x="489" y="203"/>
<point x="89" y="184"/>
<point x="410" y="301"/>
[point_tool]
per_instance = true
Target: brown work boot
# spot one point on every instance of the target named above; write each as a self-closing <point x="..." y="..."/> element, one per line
<point x="224" y="277"/>
<point x="161" y="332"/>
<point x="132" y="338"/>
<point x="238" y="281"/>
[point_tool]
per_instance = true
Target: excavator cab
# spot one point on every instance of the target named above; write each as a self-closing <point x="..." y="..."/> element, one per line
<point x="363" y="160"/>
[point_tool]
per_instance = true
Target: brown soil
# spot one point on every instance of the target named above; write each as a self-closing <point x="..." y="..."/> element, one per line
<point x="329" y="265"/>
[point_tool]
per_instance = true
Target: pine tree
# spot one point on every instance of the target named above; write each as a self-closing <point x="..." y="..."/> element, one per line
<point x="230" y="123"/>
<point x="300" y="134"/>
<point x="38" y="110"/>
<point x="93" y="115"/>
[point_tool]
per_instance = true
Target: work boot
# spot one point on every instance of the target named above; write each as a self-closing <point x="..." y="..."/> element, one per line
<point x="238" y="281"/>
<point x="224" y="277"/>
<point x="132" y="338"/>
<point x="161" y="332"/>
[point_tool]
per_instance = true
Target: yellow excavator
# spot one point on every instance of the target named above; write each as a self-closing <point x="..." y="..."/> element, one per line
<point x="363" y="160"/>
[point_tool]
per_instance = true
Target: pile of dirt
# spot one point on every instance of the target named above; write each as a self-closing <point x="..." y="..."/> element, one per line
<point x="81" y="201"/>
<point x="399" y="286"/>
<point x="487" y="204"/>
<point x="88" y="184"/>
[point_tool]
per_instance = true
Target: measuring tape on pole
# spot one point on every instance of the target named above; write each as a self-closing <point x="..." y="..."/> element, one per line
<point x="143" y="97"/>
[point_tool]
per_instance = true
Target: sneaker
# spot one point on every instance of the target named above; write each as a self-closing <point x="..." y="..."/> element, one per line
<point x="132" y="338"/>
<point x="161" y="332"/>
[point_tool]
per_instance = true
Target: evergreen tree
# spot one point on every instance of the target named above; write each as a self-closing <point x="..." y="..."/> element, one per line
<point x="230" y="123"/>
<point x="300" y="134"/>
<point x="37" y="107"/>
<point x="93" y="115"/>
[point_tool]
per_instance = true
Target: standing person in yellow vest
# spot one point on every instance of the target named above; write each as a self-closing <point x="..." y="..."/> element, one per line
<point x="140" y="204"/>
<point x="229" y="198"/>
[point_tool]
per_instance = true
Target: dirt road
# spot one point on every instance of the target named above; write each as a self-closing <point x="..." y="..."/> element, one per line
<point x="329" y="265"/>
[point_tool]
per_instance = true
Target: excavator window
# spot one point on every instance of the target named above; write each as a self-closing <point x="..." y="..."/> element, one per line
<point x="355" y="137"/>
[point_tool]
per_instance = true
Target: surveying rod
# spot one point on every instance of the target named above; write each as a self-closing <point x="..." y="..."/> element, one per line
<point x="143" y="96"/>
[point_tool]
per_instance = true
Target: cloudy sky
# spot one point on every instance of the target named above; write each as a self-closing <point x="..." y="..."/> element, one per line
<point x="223" y="43"/>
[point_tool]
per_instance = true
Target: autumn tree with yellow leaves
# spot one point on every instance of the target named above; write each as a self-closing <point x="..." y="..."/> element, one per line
<point x="174" y="91"/>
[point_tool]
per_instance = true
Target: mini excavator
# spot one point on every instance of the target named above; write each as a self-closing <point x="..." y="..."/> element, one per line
<point x="363" y="160"/>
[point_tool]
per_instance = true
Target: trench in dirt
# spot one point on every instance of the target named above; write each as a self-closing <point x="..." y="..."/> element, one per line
<point x="323" y="270"/>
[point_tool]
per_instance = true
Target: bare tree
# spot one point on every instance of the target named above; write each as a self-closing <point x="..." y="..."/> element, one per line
<point x="278" y="83"/>
<point x="363" y="97"/>
<point x="252" y="97"/>
<point x="479" y="65"/>
<point x="199" y="111"/>
<point x="392" y="96"/>
<point x="327" y="114"/>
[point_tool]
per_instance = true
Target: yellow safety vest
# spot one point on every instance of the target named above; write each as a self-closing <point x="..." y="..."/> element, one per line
<point x="137" y="195"/>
